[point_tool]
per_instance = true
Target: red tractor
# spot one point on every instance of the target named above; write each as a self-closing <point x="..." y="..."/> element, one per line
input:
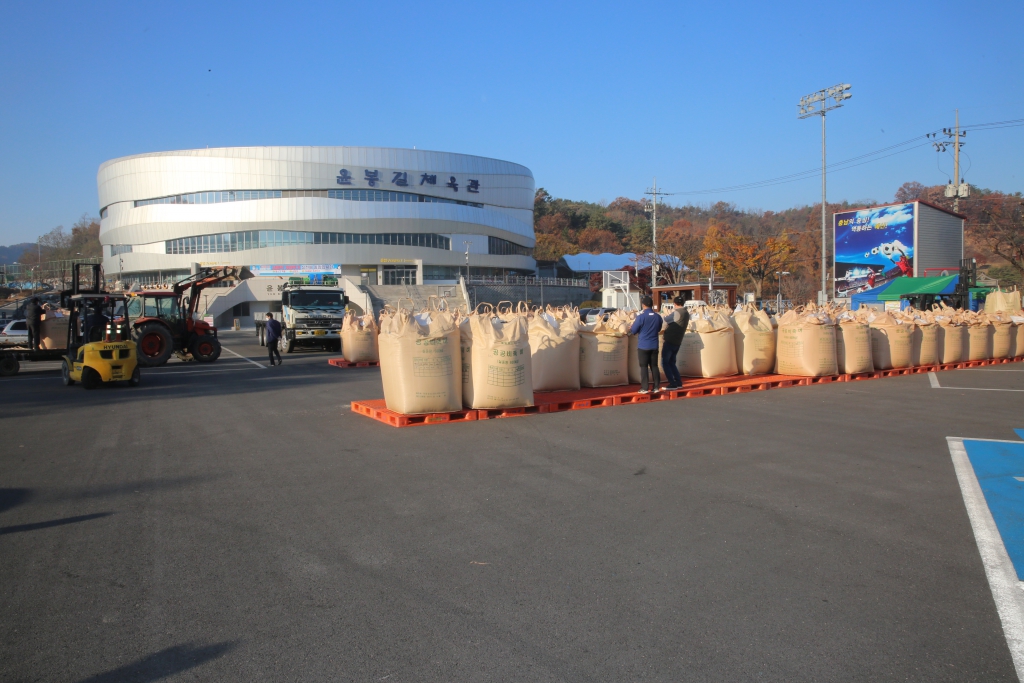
<point x="163" y="321"/>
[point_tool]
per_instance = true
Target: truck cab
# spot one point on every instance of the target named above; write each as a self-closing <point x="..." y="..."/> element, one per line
<point x="311" y="314"/>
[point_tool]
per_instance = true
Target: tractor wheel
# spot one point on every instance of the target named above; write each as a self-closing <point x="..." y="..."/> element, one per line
<point x="205" y="349"/>
<point x="155" y="345"/>
<point x="65" y="373"/>
<point x="136" y="377"/>
<point x="286" y="345"/>
<point x="9" y="366"/>
<point x="91" y="379"/>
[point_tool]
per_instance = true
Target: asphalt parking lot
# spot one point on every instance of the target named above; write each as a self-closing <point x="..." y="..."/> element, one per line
<point x="236" y="522"/>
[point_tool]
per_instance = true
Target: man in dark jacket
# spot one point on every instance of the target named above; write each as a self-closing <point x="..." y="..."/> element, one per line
<point x="273" y="334"/>
<point x="675" y="329"/>
<point x="33" y="312"/>
<point x="647" y="326"/>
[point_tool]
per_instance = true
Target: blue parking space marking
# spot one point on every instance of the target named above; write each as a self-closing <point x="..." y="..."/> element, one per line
<point x="1019" y="432"/>
<point x="999" y="467"/>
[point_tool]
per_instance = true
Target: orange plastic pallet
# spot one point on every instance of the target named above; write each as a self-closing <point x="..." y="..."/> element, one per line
<point x="342" y="363"/>
<point x="560" y="401"/>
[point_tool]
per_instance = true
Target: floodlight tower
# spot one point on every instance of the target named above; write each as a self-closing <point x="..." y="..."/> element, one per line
<point x="816" y="104"/>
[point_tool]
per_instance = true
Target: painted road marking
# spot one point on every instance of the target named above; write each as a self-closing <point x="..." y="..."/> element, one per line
<point x="933" y="380"/>
<point x="983" y="468"/>
<point x="259" y="365"/>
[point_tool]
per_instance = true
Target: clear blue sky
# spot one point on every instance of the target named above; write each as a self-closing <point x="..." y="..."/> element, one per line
<point x="595" y="98"/>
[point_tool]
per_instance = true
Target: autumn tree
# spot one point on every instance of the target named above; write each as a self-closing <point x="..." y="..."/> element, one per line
<point x="1001" y="229"/>
<point x="757" y="256"/>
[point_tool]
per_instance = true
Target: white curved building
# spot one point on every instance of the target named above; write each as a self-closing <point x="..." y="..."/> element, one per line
<point x="382" y="216"/>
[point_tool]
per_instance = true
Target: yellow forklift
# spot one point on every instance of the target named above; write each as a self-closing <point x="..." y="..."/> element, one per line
<point x="99" y="348"/>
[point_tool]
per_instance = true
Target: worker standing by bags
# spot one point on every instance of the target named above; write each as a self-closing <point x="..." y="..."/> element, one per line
<point x="676" y="323"/>
<point x="555" y="349"/>
<point x="647" y="328"/>
<point x="420" y="361"/>
<point x="359" y="338"/>
<point x="500" y="360"/>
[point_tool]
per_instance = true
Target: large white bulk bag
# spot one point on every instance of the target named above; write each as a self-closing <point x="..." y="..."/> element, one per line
<point x="500" y="368"/>
<point x="952" y="335"/>
<point x="891" y="341"/>
<point x="1003" y="335"/>
<point x="754" y="334"/>
<point x="807" y="344"/>
<point x="420" y="361"/>
<point x="979" y="338"/>
<point x="555" y="350"/>
<point x="359" y="338"/>
<point x="708" y="348"/>
<point x="853" y="345"/>
<point x="604" y="354"/>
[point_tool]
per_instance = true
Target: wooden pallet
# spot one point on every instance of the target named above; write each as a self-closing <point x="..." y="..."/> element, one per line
<point x="342" y="363"/>
<point x="601" y="397"/>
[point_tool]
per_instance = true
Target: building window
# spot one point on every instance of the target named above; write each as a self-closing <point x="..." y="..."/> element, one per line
<point x="240" y="310"/>
<point x="262" y="239"/>
<point x="249" y="195"/>
<point x="116" y="249"/>
<point x="431" y="273"/>
<point x="499" y="247"/>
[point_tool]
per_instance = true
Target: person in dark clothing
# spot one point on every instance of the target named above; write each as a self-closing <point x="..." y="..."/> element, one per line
<point x="33" y="312"/>
<point x="273" y="334"/>
<point x="676" y="321"/>
<point x="647" y="327"/>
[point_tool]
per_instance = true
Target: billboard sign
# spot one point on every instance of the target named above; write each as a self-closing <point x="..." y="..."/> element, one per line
<point x="872" y="247"/>
<point x="287" y="270"/>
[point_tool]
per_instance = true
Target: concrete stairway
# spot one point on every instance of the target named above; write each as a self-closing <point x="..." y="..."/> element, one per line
<point x="419" y="294"/>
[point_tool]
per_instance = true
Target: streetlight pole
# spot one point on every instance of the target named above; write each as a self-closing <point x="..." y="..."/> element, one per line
<point x="466" y="244"/>
<point x="778" y="307"/>
<point x="817" y="104"/>
<point x="711" y="256"/>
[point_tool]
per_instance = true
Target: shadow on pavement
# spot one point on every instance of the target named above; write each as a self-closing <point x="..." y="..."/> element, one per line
<point x="168" y="662"/>
<point x="4" y="530"/>
<point x="12" y="498"/>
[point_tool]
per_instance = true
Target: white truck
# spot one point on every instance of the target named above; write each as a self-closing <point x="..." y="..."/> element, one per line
<point x="311" y="314"/>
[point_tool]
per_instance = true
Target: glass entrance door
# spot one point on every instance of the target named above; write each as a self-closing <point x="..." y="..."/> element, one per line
<point x="400" y="275"/>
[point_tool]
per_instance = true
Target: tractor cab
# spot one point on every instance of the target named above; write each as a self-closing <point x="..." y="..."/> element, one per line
<point x="99" y="347"/>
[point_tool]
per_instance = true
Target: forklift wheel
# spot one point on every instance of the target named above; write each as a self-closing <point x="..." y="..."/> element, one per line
<point x="136" y="377"/>
<point x="91" y="379"/>
<point x="65" y="374"/>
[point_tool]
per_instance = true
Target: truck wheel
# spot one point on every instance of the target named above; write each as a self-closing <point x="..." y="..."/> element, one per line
<point x="65" y="373"/>
<point x="260" y="334"/>
<point x="9" y="366"/>
<point x="155" y="345"/>
<point x="285" y="345"/>
<point x="91" y="379"/>
<point x="136" y="377"/>
<point x="205" y="349"/>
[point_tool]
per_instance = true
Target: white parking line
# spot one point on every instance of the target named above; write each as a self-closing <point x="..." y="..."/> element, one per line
<point x="1002" y="577"/>
<point x="259" y="365"/>
<point x="933" y="379"/>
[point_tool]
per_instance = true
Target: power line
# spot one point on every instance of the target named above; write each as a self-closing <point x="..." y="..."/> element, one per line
<point x="921" y="140"/>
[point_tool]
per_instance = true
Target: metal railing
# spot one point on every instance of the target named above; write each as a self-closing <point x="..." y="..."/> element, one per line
<point x="525" y="280"/>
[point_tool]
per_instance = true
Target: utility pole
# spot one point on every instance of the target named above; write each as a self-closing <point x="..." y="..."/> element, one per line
<point x="817" y="104"/>
<point x="652" y="208"/>
<point x="957" y="188"/>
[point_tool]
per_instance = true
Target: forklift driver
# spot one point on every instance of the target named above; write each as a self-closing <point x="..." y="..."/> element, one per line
<point x="94" y="323"/>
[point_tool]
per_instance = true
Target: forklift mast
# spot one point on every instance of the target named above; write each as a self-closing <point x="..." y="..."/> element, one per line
<point x="968" y="279"/>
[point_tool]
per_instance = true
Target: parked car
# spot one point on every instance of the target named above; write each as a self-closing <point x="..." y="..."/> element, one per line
<point x="15" y="333"/>
<point x="595" y="313"/>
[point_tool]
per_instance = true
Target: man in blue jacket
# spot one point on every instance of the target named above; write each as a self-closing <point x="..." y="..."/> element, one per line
<point x="273" y="334"/>
<point x="647" y="326"/>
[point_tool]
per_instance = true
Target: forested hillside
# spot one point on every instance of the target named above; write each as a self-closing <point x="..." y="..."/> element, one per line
<point x="754" y="245"/>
